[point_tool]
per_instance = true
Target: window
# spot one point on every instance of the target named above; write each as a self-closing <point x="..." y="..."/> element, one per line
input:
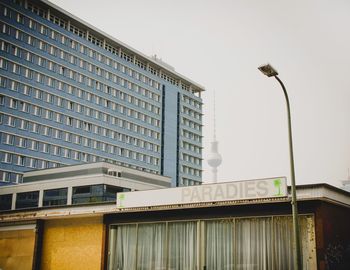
<point x="77" y="139"/>
<point x="35" y="128"/>
<point x="7" y="158"/>
<point x="3" y="63"/>
<point x="70" y="105"/>
<point x="14" y="86"/>
<point x="69" y="121"/>
<point x="95" y="194"/>
<point x="11" y="121"/>
<point x="37" y="110"/>
<point x="23" y="124"/>
<point x="48" y="114"/>
<point x="58" y="117"/>
<point x="67" y="137"/>
<point x="24" y="107"/>
<point x="34" y="145"/>
<point x="27" y="90"/>
<point x="244" y="243"/>
<point x="22" y="142"/>
<point x="16" y="69"/>
<point x="27" y="199"/>
<point x="21" y="160"/>
<point x="33" y="163"/>
<point x="8" y="139"/>
<point x="44" y="164"/>
<point x="57" y="134"/>
<point x="76" y="155"/>
<point x="56" y="150"/>
<point x="46" y="131"/>
<point x="38" y="94"/>
<point x="55" y="197"/>
<point x="66" y="153"/>
<point x="5" y="200"/>
<point x="13" y="103"/>
<point x="59" y="102"/>
<point x="45" y="148"/>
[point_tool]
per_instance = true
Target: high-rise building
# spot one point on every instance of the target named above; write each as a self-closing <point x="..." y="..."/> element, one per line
<point x="71" y="94"/>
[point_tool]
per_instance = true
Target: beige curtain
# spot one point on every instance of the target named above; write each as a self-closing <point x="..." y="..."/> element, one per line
<point x="261" y="243"/>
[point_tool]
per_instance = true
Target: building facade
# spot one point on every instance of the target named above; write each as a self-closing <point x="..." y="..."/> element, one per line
<point x="71" y="94"/>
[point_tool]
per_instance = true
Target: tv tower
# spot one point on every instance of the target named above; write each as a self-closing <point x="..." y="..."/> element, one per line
<point x="214" y="159"/>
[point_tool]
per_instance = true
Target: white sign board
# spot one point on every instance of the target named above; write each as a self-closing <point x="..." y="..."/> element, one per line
<point x="229" y="191"/>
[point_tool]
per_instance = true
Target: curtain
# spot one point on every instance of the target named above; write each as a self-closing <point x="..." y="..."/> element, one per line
<point x="263" y="243"/>
<point x="126" y="248"/>
<point x="151" y="246"/>
<point x="182" y="249"/>
<point x="283" y="243"/>
<point x="253" y="244"/>
<point x="219" y="244"/>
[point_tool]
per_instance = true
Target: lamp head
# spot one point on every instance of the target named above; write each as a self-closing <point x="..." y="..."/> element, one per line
<point x="268" y="70"/>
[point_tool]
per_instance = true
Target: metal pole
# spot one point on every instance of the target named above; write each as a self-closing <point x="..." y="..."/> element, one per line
<point x="297" y="259"/>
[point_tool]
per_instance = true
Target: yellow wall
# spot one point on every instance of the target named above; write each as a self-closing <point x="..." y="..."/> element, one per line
<point x="17" y="249"/>
<point x="73" y="243"/>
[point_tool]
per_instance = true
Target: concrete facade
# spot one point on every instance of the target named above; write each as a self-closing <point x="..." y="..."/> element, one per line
<point x="71" y="94"/>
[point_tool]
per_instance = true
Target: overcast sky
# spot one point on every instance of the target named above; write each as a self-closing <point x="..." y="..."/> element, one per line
<point x="220" y="44"/>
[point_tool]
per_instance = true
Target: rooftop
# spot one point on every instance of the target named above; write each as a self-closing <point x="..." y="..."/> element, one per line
<point x="111" y="44"/>
<point x="320" y="192"/>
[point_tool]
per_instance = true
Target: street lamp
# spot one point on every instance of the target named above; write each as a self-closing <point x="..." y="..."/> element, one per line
<point x="269" y="71"/>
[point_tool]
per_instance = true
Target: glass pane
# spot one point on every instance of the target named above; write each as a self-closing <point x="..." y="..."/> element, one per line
<point x="27" y="199"/>
<point x="253" y="241"/>
<point x="126" y="248"/>
<point x="151" y="246"/>
<point x="283" y="244"/>
<point x="219" y="244"/>
<point x="6" y="202"/>
<point x="182" y="252"/>
<point x="55" y="197"/>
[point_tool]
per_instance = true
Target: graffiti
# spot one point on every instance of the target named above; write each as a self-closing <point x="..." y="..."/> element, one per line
<point x="337" y="257"/>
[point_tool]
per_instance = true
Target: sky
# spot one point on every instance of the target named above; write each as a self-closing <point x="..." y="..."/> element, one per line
<point x="219" y="44"/>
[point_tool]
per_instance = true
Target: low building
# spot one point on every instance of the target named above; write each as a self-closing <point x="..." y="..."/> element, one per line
<point x="234" y="225"/>
<point x="77" y="184"/>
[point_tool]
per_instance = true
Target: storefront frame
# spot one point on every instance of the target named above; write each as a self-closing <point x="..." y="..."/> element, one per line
<point x="201" y="245"/>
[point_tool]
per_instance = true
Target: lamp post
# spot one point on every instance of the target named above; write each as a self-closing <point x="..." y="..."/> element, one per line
<point x="269" y="71"/>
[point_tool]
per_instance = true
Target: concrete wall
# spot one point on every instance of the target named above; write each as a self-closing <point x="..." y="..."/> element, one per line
<point x="73" y="243"/>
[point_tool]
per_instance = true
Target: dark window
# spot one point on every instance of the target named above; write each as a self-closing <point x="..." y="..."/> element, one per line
<point x="27" y="199"/>
<point x="87" y="194"/>
<point x="111" y="192"/>
<point x="95" y="194"/>
<point x="55" y="197"/>
<point x="5" y="202"/>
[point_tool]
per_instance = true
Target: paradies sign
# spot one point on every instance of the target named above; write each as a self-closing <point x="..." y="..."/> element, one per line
<point x="229" y="191"/>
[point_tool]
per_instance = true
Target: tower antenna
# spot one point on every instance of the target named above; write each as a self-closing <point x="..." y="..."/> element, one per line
<point x="214" y="159"/>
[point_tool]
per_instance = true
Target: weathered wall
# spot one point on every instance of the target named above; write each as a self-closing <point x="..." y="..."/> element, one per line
<point x="333" y="238"/>
<point x="17" y="249"/>
<point x="72" y="243"/>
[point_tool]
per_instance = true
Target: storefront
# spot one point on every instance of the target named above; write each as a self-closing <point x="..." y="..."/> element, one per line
<point x="175" y="229"/>
<point x="219" y="243"/>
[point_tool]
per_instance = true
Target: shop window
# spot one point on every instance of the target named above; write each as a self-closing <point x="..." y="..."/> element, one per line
<point x="230" y="243"/>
